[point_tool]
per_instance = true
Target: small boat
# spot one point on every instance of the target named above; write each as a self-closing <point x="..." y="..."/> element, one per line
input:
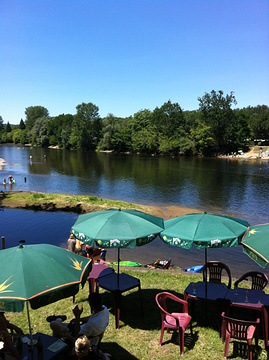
<point x="193" y="269"/>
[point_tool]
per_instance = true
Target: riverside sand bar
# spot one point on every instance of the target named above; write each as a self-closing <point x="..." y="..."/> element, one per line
<point x="2" y="163"/>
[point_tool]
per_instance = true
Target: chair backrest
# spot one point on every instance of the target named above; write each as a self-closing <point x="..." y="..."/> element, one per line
<point x="238" y="329"/>
<point x="214" y="269"/>
<point x="258" y="280"/>
<point x="161" y="302"/>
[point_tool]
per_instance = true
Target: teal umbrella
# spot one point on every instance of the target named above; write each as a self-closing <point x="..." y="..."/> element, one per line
<point x="116" y="228"/>
<point x="40" y="275"/>
<point x="256" y="244"/>
<point x="203" y="230"/>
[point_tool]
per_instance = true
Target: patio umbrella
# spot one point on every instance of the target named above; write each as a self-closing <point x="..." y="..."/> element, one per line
<point x="256" y="244"/>
<point x="39" y="275"/>
<point x="203" y="230"/>
<point x="116" y="228"/>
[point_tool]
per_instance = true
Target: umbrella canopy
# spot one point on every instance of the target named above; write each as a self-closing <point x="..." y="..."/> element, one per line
<point x="116" y="228"/>
<point x="39" y="274"/>
<point x="203" y="231"/>
<point x="256" y="244"/>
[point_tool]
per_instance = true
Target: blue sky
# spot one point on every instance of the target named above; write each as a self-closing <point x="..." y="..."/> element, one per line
<point x="129" y="55"/>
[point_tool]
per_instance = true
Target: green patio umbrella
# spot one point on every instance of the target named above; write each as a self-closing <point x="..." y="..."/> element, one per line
<point x="40" y="275"/>
<point x="116" y="228"/>
<point x="203" y="230"/>
<point x="256" y="244"/>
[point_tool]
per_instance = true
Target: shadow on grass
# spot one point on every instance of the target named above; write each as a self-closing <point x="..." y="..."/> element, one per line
<point x="189" y="340"/>
<point x="240" y="349"/>
<point x="131" y="315"/>
<point x="116" y="351"/>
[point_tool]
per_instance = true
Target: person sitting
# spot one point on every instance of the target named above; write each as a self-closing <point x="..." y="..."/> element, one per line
<point x="6" y="337"/>
<point x="71" y="243"/>
<point x="92" y="326"/>
<point x="82" y="348"/>
<point x="79" y="247"/>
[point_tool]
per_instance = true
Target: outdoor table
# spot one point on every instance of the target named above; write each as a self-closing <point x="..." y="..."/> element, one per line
<point x="251" y="299"/>
<point x="98" y="270"/>
<point x="52" y="346"/>
<point x="205" y="291"/>
<point x="118" y="284"/>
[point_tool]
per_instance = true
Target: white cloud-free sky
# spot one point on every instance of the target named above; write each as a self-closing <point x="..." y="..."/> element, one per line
<point x="129" y="55"/>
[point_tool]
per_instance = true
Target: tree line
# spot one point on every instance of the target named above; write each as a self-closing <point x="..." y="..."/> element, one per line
<point x="214" y="129"/>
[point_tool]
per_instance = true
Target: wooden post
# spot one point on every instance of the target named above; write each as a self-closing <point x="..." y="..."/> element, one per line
<point x="3" y="242"/>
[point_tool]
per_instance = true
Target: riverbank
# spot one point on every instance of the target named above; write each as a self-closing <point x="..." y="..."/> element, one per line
<point x="80" y="204"/>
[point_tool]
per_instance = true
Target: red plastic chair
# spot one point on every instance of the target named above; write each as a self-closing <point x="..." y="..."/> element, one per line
<point x="240" y="330"/>
<point x="214" y="269"/>
<point x="258" y="280"/>
<point x="175" y="321"/>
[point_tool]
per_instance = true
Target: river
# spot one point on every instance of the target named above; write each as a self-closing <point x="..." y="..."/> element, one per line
<point x="235" y="187"/>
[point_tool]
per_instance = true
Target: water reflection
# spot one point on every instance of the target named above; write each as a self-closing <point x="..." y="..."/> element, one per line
<point x="230" y="186"/>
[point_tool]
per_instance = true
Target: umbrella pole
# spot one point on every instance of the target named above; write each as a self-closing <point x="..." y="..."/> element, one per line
<point x="29" y="324"/>
<point x="118" y="275"/>
<point x="206" y="273"/>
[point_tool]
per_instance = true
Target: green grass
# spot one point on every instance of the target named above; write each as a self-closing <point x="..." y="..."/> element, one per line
<point x="138" y="337"/>
<point x="61" y="202"/>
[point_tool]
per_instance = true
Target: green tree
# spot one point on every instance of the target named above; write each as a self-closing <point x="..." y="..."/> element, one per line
<point x="259" y="122"/>
<point x="217" y="113"/>
<point x="121" y="139"/>
<point x="17" y="136"/>
<point x="1" y="123"/>
<point x="8" y="127"/>
<point x="22" y="125"/>
<point x="204" y="143"/>
<point x="59" y="129"/>
<point x="144" y="134"/>
<point x="145" y="140"/>
<point x="40" y="133"/>
<point x="168" y="119"/>
<point x="33" y="113"/>
<point x="110" y="125"/>
<point x="86" y="127"/>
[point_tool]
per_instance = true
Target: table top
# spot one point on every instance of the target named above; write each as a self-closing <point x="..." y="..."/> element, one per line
<point x="52" y="346"/>
<point x="118" y="282"/>
<point x="99" y="270"/>
<point x="206" y="291"/>
<point x="241" y="296"/>
<point x="247" y="297"/>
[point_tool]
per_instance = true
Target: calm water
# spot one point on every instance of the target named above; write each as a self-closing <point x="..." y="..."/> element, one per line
<point x="224" y="186"/>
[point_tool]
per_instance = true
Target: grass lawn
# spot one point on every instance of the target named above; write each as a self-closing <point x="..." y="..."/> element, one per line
<point x="138" y="337"/>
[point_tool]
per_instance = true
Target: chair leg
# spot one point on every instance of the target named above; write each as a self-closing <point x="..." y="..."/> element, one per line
<point x="161" y="338"/>
<point x="191" y="328"/>
<point x="181" y="341"/>
<point x="226" y="347"/>
<point x="250" y="350"/>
